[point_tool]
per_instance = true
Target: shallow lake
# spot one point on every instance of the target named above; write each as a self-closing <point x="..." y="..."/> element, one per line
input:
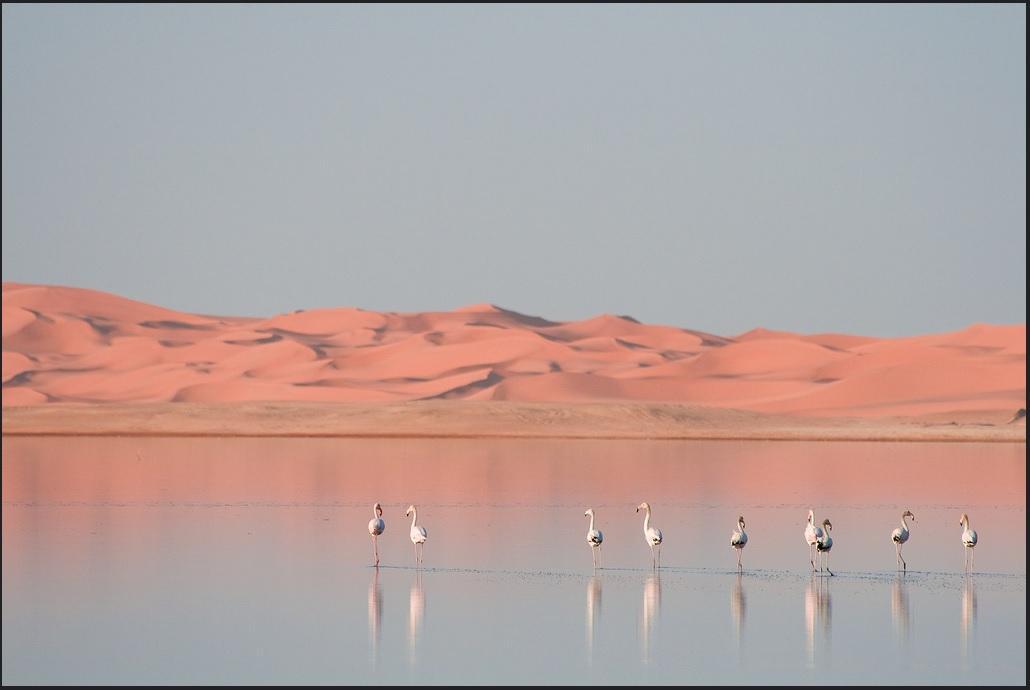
<point x="199" y="560"/>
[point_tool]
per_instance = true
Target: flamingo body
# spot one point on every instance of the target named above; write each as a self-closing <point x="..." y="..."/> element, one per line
<point x="417" y="533"/>
<point x="376" y="526"/>
<point x="738" y="540"/>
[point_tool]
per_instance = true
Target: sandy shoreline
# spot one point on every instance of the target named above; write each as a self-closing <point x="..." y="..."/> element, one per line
<point x="481" y="419"/>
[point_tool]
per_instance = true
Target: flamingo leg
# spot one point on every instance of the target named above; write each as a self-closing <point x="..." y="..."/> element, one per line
<point x="739" y="566"/>
<point x="652" y="556"/>
<point x="811" y="556"/>
<point x="828" y="564"/>
<point x="375" y="550"/>
<point x="659" y="555"/>
<point x="972" y="564"/>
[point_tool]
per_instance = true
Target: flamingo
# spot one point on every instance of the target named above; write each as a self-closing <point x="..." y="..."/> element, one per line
<point x="968" y="540"/>
<point x="825" y="543"/>
<point x="376" y="526"/>
<point x="594" y="537"/>
<point x="652" y="535"/>
<point x="900" y="535"/>
<point x="812" y="535"/>
<point x="738" y="540"/>
<point x="417" y="533"/>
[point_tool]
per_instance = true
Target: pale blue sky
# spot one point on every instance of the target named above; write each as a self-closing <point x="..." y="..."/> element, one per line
<point x="858" y="169"/>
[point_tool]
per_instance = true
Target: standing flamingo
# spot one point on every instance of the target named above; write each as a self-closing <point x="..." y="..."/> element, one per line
<point x="417" y="533"/>
<point x="738" y="540"/>
<point x="812" y="535"/>
<point x="824" y="545"/>
<point x="652" y="535"/>
<point x="968" y="541"/>
<point x="376" y="526"/>
<point x="594" y="537"/>
<point x="900" y="535"/>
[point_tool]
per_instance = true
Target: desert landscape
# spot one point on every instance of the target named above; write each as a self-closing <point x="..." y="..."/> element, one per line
<point x="157" y="370"/>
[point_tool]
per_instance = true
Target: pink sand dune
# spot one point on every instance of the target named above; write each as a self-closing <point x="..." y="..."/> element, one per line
<point x="71" y="345"/>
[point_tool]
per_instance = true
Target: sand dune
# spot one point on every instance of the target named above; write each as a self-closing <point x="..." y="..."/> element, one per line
<point x="72" y="345"/>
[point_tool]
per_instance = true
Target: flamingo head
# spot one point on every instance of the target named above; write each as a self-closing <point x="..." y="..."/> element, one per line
<point x="409" y="510"/>
<point x="908" y="513"/>
<point x="643" y="506"/>
<point x="740" y="521"/>
<point x="378" y="510"/>
<point x="811" y="517"/>
<point x="827" y="525"/>
<point x="589" y="513"/>
<point x="964" y="520"/>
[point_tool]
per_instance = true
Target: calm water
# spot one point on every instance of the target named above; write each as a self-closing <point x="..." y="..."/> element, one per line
<point x="248" y="561"/>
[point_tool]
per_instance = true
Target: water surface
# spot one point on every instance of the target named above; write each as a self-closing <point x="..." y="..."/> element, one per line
<point x="247" y="561"/>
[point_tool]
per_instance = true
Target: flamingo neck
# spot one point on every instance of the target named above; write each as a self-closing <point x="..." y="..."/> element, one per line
<point x="740" y="526"/>
<point x="904" y="523"/>
<point x="647" y="518"/>
<point x="414" y="517"/>
<point x="965" y="524"/>
<point x="591" y="522"/>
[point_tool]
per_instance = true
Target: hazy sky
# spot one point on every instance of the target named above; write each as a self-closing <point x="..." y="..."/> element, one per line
<point x="857" y="169"/>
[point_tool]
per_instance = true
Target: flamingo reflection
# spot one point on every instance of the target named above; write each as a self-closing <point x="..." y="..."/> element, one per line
<point x="652" y="607"/>
<point x="593" y="614"/>
<point x="738" y="611"/>
<point x="375" y="617"/>
<point x="818" y="615"/>
<point x="416" y="612"/>
<point x="901" y="612"/>
<point x="968" y="629"/>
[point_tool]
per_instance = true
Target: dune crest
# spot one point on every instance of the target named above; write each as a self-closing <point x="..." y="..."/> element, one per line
<point x="63" y="344"/>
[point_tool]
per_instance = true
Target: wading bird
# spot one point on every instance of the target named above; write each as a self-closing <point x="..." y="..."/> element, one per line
<point x="738" y="540"/>
<point x="594" y="537"/>
<point x="376" y="526"/>
<point x="812" y="536"/>
<point x="900" y="535"/>
<point x="652" y="535"/>
<point x="824" y="545"/>
<point x="968" y="541"/>
<point x="417" y="533"/>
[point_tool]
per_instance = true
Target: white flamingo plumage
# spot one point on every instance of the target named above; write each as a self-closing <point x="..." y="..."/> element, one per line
<point x="417" y="533"/>
<point x="899" y="536"/>
<point x="968" y="541"/>
<point x="652" y="535"/>
<point x="813" y="534"/>
<point x="594" y="537"/>
<point x="376" y="526"/>
<point x="738" y="540"/>
<point x="824" y="545"/>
